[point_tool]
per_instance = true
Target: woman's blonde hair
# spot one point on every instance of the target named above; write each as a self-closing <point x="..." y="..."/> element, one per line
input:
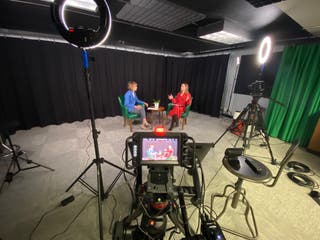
<point x="131" y="84"/>
<point x="187" y="87"/>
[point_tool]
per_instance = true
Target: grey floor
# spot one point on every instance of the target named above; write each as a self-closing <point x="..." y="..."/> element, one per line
<point x="283" y="212"/>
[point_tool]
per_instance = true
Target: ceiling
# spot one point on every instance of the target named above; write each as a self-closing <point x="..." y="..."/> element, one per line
<point x="306" y="14"/>
<point x="171" y="25"/>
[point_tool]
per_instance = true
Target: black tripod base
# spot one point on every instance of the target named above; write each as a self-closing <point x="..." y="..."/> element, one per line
<point x="98" y="162"/>
<point x="11" y="172"/>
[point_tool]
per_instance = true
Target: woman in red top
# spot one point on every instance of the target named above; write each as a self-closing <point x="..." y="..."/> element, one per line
<point x="182" y="99"/>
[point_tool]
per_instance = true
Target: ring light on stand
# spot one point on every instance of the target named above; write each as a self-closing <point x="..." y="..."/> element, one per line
<point x="85" y="38"/>
<point x="264" y="50"/>
<point x="264" y="53"/>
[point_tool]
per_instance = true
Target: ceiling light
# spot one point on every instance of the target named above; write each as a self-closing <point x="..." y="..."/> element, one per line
<point x="88" y="5"/>
<point x="224" y="37"/>
<point x="223" y="32"/>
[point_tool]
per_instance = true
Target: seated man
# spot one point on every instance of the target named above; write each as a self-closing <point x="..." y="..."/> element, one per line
<point x="131" y="101"/>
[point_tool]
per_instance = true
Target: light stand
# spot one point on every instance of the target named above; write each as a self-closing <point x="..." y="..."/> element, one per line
<point x="100" y="193"/>
<point x="86" y="38"/>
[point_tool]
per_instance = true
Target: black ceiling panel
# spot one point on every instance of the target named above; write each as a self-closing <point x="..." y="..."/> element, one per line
<point x="34" y="16"/>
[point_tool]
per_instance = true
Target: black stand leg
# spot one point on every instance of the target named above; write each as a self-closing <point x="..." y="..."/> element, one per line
<point x="244" y="138"/>
<point x="221" y="136"/>
<point x="266" y="138"/>
<point x="233" y="124"/>
<point x="14" y="164"/>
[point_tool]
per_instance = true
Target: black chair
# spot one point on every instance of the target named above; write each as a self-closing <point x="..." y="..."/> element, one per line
<point x="247" y="169"/>
<point x="8" y="128"/>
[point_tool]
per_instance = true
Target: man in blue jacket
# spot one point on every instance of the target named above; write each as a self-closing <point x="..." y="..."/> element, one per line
<point x="131" y="101"/>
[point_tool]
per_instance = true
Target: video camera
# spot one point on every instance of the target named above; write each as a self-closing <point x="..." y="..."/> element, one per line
<point x="256" y="88"/>
<point x="159" y="198"/>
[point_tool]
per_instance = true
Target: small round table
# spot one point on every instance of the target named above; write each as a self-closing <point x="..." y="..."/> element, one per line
<point x="246" y="168"/>
<point x="249" y="169"/>
<point x="158" y="110"/>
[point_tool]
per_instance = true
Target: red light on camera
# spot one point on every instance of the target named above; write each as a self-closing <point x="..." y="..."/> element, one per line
<point x="151" y="222"/>
<point x="160" y="131"/>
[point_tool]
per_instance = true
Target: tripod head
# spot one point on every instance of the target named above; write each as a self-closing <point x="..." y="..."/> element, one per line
<point x="257" y="91"/>
<point x="256" y="88"/>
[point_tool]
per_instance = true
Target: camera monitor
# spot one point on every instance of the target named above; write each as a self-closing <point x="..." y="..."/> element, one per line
<point x="160" y="150"/>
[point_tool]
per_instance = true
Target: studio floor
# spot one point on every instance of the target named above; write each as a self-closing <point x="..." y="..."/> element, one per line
<point x="285" y="211"/>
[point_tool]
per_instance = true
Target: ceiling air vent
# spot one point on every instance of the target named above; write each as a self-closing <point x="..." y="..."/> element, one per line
<point x="262" y="3"/>
<point x="160" y="14"/>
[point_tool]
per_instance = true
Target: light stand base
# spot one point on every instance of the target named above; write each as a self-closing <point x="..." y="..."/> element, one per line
<point x="14" y="164"/>
<point x="104" y="194"/>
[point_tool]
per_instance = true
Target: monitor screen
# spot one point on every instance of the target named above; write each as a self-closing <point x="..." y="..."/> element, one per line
<point x="160" y="150"/>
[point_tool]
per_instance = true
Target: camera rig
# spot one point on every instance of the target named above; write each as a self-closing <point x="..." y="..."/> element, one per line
<point x="256" y="88"/>
<point x="159" y="198"/>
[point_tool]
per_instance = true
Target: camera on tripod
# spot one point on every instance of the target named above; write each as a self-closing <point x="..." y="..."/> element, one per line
<point x="256" y="88"/>
<point x="159" y="198"/>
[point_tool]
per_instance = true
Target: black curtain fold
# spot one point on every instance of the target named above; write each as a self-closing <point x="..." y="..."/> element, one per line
<point x="42" y="83"/>
<point x="206" y="78"/>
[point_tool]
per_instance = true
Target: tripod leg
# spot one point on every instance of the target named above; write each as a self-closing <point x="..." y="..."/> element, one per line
<point x="245" y="135"/>
<point x="224" y="133"/>
<point x="77" y="179"/>
<point x="106" y="193"/>
<point x="266" y="138"/>
<point x="249" y="122"/>
<point x="35" y="163"/>
<point x="100" y="193"/>
<point x="251" y="135"/>
<point x="7" y="175"/>
<point x="120" y="168"/>
<point x="233" y="124"/>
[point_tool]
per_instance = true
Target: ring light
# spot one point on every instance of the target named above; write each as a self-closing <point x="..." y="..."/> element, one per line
<point x="83" y="37"/>
<point x="264" y="50"/>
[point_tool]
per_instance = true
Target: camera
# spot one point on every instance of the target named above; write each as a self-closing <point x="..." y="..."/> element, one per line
<point x="256" y="88"/>
<point x="159" y="199"/>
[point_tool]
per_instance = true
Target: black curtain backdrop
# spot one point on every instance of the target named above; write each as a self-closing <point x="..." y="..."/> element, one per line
<point x="42" y="83"/>
<point x="206" y="78"/>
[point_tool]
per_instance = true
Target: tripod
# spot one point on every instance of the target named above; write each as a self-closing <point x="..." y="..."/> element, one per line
<point x="252" y="116"/>
<point x="15" y="167"/>
<point x="100" y="193"/>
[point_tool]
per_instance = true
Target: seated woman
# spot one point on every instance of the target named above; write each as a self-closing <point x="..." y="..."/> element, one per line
<point x="131" y="101"/>
<point x="182" y="99"/>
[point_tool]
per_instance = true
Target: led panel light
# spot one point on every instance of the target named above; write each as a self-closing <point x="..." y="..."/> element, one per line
<point x="223" y="32"/>
<point x="88" y="5"/>
<point x="225" y="37"/>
